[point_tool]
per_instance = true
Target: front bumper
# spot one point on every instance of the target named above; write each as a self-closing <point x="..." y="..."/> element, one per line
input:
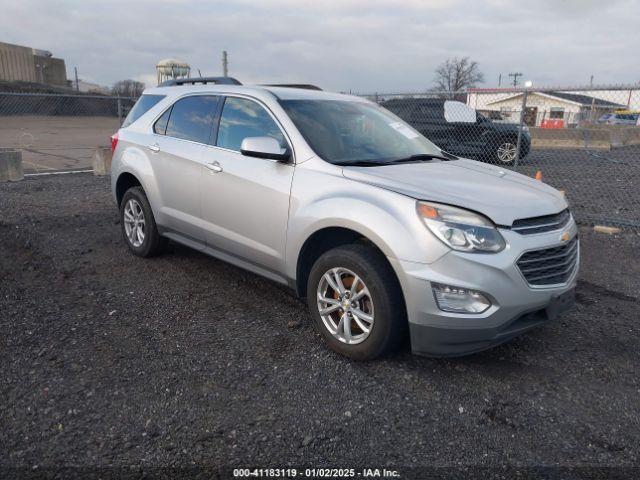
<point x="516" y="306"/>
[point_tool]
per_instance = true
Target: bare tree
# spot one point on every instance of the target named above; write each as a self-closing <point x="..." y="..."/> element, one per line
<point x="127" y="88"/>
<point x="456" y="74"/>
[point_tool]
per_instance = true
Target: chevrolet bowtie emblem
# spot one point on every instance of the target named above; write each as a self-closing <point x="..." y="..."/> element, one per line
<point x="565" y="237"/>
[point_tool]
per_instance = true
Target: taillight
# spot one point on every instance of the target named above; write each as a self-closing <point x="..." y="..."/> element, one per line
<point x="114" y="142"/>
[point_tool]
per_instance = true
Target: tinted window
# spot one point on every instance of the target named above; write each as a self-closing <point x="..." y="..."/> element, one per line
<point x="192" y="118"/>
<point x="242" y="118"/>
<point x="160" y="126"/>
<point x="142" y="106"/>
<point x="401" y="108"/>
<point x="431" y="111"/>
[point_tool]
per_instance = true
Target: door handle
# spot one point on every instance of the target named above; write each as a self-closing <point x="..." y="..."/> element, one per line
<point x="155" y="148"/>
<point x="215" y="167"/>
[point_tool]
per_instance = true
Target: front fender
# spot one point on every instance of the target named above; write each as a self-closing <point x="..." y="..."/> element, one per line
<point x="386" y="218"/>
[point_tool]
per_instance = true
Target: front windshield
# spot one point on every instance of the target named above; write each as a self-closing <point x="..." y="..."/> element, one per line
<point x="348" y="132"/>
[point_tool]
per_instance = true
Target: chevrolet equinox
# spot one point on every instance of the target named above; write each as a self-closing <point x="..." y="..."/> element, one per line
<point x="386" y="235"/>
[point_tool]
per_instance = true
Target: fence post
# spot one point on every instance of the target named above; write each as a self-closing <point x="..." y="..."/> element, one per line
<point x="119" y="110"/>
<point x="520" y="125"/>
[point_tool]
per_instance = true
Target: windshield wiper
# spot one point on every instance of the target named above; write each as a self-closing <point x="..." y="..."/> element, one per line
<point x="360" y="163"/>
<point x="421" y="157"/>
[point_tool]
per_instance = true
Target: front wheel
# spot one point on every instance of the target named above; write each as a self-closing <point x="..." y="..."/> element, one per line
<point x="356" y="302"/>
<point x="506" y="152"/>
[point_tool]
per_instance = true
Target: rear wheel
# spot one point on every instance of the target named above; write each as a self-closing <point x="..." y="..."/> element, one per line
<point x="356" y="302"/>
<point x="138" y="224"/>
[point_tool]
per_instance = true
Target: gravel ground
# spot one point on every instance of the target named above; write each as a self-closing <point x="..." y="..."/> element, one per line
<point x="182" y="360"/>
<point x="602" y="186"/>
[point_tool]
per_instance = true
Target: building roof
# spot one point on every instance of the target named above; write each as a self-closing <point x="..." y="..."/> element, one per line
<point x="584" y="100"/>
<point x="575" y="98"/>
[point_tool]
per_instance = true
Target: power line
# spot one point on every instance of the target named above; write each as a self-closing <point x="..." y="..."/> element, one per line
<point x="515" y="76"/>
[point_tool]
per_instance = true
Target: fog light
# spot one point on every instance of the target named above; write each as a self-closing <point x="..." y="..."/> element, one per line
<point x="459" y="300"/>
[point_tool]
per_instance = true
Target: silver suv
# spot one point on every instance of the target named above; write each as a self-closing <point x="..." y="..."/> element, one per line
<point x="386" y="235"/>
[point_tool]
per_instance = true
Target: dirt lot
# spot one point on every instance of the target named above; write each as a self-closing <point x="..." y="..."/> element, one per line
<point x="114" y="361"/>
<point x="56" y="143"/>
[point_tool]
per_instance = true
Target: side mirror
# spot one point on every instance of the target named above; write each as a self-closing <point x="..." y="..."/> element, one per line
<point x="264" y="147"/>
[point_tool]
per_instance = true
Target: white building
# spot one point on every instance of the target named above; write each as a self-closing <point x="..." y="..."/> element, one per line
<point x="552" y="108"/>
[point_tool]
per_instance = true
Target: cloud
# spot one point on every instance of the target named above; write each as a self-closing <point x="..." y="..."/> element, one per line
<point x="358" y="45"/>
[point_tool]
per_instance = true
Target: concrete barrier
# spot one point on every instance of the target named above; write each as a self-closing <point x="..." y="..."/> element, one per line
<point x="11" y="165"/>
<point x="593" y="137"/>
<point x="102" y="161"/>
<point x="623" y="136"/>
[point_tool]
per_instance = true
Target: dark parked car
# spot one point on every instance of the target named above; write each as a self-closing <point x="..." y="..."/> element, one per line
<point x="460" y="130"/>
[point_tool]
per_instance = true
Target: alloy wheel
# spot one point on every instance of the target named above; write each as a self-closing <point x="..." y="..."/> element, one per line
<point x="507" y="152"/>
<point x="134" y="223"/>
<point x="345" y="305"/>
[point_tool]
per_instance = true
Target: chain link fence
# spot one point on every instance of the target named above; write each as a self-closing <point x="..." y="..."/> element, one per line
<point x="59" y="132"/>
<point x="585" y="142"/>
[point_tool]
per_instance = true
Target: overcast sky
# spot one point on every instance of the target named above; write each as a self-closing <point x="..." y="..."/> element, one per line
<point x="359" y="45"/>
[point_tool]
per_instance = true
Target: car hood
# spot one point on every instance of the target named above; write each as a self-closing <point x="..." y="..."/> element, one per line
<point x="500" y="194"/>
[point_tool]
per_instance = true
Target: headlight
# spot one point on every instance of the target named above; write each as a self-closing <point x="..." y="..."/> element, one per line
<point x="461" y="229"/>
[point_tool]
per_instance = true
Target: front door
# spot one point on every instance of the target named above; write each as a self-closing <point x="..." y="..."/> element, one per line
<point x="245" y="200"/>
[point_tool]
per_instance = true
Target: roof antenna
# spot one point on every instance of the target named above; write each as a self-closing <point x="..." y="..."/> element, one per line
<point x="199" y="73"/>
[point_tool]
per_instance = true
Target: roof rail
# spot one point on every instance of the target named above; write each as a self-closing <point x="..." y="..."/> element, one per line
<point x="305" y="86"/>
<point x="203" y="80"/>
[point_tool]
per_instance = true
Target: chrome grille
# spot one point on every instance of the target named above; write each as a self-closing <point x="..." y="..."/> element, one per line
<point x="546" y="223"/>
<point x="550" y="266"/>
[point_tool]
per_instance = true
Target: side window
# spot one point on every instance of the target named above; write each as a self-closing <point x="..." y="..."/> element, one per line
<point x="556" y="113"/>
<point x="160" y="127"/>
<point x="431" y="112"/>
<point x="192" y="118"/>
<point x="142" y="106"/>
<point x="242" y="118"/>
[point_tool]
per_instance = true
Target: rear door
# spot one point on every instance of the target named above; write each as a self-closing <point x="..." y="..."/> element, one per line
<point x="179" y="142"/>
<point x="245" y="200"/>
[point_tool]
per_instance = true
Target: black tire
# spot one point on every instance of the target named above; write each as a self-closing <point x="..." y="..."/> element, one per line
<point x="153" y="244"/>
<point x="390" y="326"/>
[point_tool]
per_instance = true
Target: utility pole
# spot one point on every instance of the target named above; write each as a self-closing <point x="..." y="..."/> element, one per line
<point x="515" y="76"/>
<point x="75" y="69"/>
<point x="591" y="81"/>
<point x="499" y="80"/>
<point x="225" y="64"/>
<point x="523" y="109"/>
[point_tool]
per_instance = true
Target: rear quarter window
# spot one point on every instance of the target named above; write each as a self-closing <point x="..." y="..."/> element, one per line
<point x="192" y="118"/>
<point x="142" y="106"/>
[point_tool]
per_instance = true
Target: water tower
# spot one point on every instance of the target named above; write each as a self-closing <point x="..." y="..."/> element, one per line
<point x="170" y="69"/>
